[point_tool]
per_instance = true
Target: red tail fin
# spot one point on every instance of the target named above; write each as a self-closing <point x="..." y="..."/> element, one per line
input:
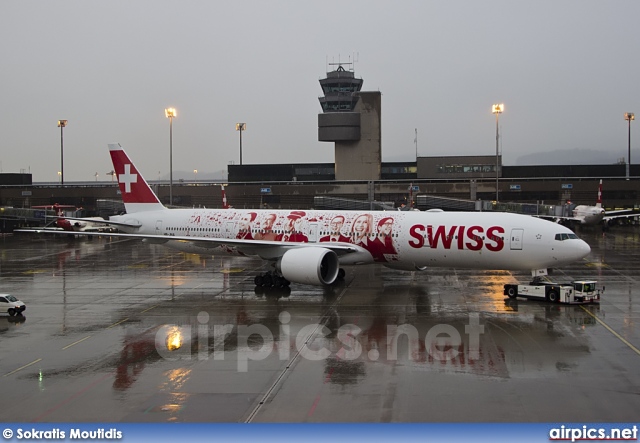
<point x="60" y="221"/>
<point x="136" y="193"/>
<point x="599" y="201"/>
<point x="225" y="205"/>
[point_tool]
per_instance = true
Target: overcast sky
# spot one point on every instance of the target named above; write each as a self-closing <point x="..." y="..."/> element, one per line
<point x="566" y="70"/>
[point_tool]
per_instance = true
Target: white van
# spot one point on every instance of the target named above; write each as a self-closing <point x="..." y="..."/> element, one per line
<point x="11" y="305"/>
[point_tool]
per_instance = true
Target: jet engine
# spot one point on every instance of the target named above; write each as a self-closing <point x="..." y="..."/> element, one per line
<point x="311" y="266"/>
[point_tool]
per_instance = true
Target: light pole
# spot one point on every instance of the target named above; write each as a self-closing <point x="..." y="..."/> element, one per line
<point x="195" y="175"/>
<point x="628" y="116"/>
<point x="497" y="109"/>
<point x="170" y="113"/>
<point x="61" y="125"/>
<point x="241" y="127"/>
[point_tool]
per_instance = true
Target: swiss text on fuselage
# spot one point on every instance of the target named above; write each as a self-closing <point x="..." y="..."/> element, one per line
<point x="473" y="238"/>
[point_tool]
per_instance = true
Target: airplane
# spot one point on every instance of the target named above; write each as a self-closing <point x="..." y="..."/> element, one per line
<point x="73" y="224"/>
<point x="592" y="215"/>
<point x="310" y="246"/>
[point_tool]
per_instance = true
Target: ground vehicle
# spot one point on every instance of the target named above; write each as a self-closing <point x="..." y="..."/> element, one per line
<point x="11" y="305"/>
<point x="576" y="292"/>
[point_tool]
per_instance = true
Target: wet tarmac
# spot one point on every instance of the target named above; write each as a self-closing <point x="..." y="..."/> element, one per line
<point x="123" y="331"/>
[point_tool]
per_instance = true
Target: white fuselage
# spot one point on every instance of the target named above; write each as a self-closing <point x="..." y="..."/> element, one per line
<point x="589" y="215"/>
<point x="81" y="225"/>
<point x="406" y="240"/>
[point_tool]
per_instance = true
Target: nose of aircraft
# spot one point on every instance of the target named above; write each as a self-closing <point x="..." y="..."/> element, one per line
<point x="581" y="249"/>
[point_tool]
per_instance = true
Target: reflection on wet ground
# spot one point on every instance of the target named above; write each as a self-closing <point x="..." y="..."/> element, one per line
<point x="125" y="331"/>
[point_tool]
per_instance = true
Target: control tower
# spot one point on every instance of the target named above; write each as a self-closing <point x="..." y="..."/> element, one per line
<point x="352" y="120"/>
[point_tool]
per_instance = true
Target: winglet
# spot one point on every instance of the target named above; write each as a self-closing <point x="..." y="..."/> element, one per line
<point x="136" y="192"/>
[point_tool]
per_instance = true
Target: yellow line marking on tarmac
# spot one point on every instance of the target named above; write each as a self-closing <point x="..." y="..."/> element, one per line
<point x="148" y="309"/>
<point x="597" y="265"/>
<point x="117" y="323"/>
<point x="22" y="367"/>
<point x="76" y="342"/>
<point x="621" y="338"/>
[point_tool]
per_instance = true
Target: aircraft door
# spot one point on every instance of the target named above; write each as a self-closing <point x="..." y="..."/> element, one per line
<point x="313" y="232"/>
<point x="516" y="238"/>
<point x="229" y="229"/>
<point x="159" y="227"/>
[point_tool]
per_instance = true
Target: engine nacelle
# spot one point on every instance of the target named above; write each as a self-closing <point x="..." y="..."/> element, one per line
<point x="311" y="266"/>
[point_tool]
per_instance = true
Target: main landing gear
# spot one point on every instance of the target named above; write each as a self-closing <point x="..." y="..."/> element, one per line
<point x="271" y="280"/>
<point x="271" y="284"/>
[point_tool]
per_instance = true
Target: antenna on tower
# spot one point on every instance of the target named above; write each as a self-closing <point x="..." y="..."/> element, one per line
<point x="341" y="65"/>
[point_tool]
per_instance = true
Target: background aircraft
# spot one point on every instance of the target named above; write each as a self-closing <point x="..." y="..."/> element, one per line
<point x="592" y="215"/>
<point x="68" y="222"/>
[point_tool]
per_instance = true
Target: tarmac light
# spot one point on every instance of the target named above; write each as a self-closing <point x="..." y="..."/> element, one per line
<point x="174" y="339"/>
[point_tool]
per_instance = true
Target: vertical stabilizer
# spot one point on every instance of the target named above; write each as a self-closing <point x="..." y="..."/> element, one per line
<point x="136" y="193"/>
<point x="225" y="205"/>
<point x="599" y="201"/>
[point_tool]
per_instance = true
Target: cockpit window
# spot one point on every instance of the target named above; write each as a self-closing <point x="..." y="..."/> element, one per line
<point x="565" y="236"/>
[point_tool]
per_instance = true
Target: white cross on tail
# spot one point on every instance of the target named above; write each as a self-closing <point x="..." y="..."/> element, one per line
<point x="127" y="178"/>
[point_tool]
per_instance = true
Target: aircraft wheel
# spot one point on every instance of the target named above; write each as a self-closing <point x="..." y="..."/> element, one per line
<point x="553" y="297"/>
<point x="267" y="280"/>
<point x="258" y="280"/>
<point x="511" y="292"/>
<point x="341" y="274"/>
<point x="11" y="312"/>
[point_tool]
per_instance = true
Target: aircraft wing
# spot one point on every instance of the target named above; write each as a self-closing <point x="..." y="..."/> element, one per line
<point x="623" y="213"/>
<point x="609" y="215"/>
<point x="558" y="218"/>
<point x="267" y="249"/>
<point x="264" y="248"/>
<point x="100" y="221"/>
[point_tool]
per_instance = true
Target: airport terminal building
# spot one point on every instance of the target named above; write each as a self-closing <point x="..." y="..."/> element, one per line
<point x="351" y="120"/>
<point x="305" y="186"/>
